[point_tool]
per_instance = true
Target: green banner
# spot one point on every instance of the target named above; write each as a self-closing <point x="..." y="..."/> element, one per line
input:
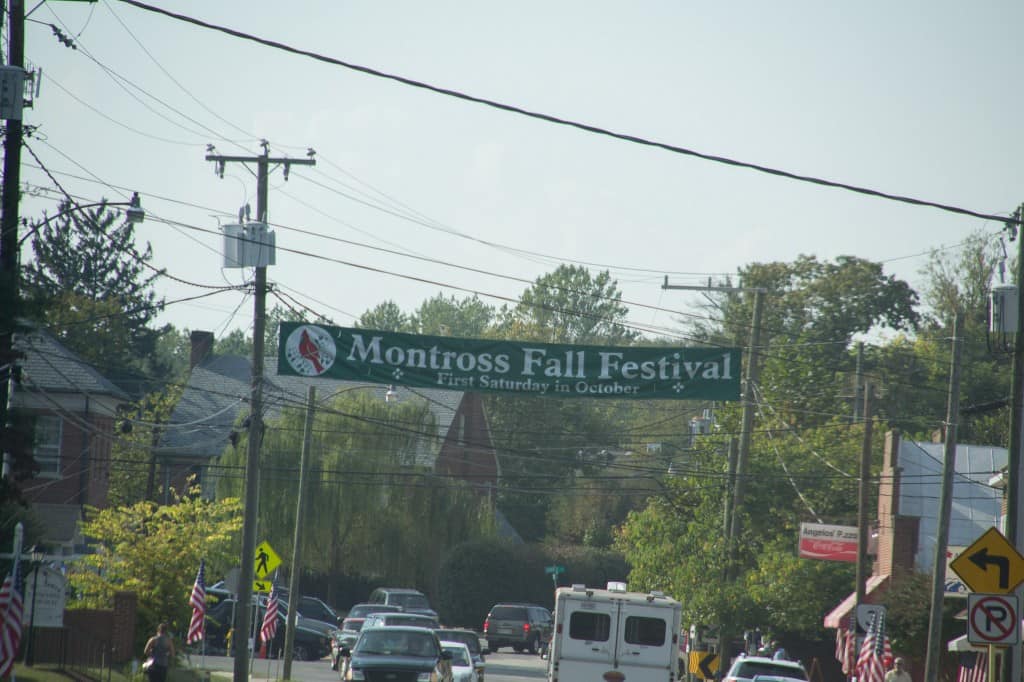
<point x="560" y="370"/>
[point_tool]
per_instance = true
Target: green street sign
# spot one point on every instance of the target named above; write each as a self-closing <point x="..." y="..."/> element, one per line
<point x="520" y="367"/>
<point x="554" y="570"/>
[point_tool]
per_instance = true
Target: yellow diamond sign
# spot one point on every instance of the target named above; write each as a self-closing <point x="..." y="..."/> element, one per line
<point x="266" y="560"/>
<point x="992" y="565"/>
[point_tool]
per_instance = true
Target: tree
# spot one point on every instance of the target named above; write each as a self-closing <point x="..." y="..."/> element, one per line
<point x="154" y="551"/>
<point x="569" y="305"/>
<point x="387" y="317"/>
<point x="374" y="510"/>
<point x="812" y="313"/>
<point x="84" y="258"/>
<point x="441" y="316"/>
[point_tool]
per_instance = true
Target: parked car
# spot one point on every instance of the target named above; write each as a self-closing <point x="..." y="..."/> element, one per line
<point x="411" y="601"/>
<point x="472" y="642"/>
<point x="521" y="626"/>
<point x="396" y="653"/>
<point x="461" y="661"/>
<point x="311" y="607"/>
<point x="748" y="668"/>
<point x="351" y="625"/>
<point x="416" y="620"/>
<point x="312" y="638"/>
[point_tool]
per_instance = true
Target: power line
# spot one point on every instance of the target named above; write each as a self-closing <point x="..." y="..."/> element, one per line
<point x="574" y="124"/>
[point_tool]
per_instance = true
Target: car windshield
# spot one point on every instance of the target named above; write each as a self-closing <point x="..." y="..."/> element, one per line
<point x="468" y="638"/>
<point x="750" y="669"/>
<point x="411" y="601"/>
<point x="314" y="608"/>
<point x="508" y="613"/>
<point x="397" y="643"/>
<point x="459" y="656"/>
<point x="415" y="621"/>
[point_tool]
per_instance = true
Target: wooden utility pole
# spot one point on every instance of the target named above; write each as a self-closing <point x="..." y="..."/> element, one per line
<point x="931" y="665"/>
<point x="243" y="612"/>
<point x="753" y="373"/>
<point x="10" y="294"/>
<point x="1014" y="467"/>
<point x="863" y="500"/>
<point x="300" y="513"/>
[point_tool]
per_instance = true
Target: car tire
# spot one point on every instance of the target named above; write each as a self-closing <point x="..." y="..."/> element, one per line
<point x="299" y="653"/>
<point x="518" y="648"/>
<point x="533" y="646"/>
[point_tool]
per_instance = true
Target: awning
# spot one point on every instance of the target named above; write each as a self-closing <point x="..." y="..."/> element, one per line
<point x="961" y="645"/>
<point x="840" y="615"/>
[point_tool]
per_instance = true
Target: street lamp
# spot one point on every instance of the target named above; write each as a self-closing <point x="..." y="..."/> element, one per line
<point x="133" y="213"/>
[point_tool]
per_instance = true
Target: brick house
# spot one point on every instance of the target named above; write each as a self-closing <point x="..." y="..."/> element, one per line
<point x="75" y="409"/>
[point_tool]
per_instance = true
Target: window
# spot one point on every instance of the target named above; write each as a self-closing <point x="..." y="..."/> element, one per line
<point x="47" y="445"/>
<point x="590" y="627"/>
<point x="645" y="631"/>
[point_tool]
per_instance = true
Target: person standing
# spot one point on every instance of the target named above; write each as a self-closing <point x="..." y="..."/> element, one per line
<point x="898" y="672"/>
<point x="160" y="648"/>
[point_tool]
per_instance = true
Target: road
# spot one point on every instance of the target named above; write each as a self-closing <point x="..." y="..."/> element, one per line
<point x="501" y="667"/>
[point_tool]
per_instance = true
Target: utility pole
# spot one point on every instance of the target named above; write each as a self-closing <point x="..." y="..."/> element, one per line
<point x="752" y="374"/>
<point x="1014" y="469"/>
<point x="863" y="499"/>
<point x="931" y="665"/>
<point x="860" y="382"/>
<point x="243" y="613"/>
<point x="300" y="512"/>
<point x="10" y="295"/>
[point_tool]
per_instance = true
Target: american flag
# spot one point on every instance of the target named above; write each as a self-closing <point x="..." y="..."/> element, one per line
<point x="846" y="642"/>
<point x="876" y="652"/>
<point x="11" y="606"/>
<point x="973" y="667"/>
<point x="269" y="628"/>
<point x="198" y="603"/>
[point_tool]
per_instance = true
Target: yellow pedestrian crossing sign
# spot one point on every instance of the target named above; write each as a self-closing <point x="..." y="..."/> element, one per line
<point x="266" y="560"/>
<point x="261" y="586"/>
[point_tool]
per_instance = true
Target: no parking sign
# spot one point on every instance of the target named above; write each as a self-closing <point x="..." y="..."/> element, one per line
<point x="993" y="619"/>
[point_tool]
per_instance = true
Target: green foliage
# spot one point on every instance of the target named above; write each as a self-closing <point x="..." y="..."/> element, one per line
<point x="154" y="551"/>
<point x="569" y="305"/>
<point x="477" y="574"/>
<point x="441" y="316"/>
<point x="139" y="469"/>
<point x="373" y="509"/>
<point x="95" y="291"/>
<point x="388" y="317"/>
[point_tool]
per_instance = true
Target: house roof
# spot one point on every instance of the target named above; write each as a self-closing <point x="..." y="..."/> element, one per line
<point x="218" y="392"/>
<point x="50" y="367"/>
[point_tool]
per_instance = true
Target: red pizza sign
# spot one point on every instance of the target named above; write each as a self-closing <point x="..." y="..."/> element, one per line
<point x="828" y="543"/>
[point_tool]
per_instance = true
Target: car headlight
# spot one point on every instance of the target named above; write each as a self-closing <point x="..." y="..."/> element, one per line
<point x="424" y="677"/>
<point x="355" y="674"/>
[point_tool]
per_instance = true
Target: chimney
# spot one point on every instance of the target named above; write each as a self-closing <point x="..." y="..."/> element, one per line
<point x="202" y="345"/>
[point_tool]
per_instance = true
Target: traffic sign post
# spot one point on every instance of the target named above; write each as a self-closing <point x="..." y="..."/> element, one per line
<point x="266" y="560"/>
<point x="992" y="619"/>
<point x="991" y="565"/>
<point x="865" y="614"/>
<point x="553" y="571"/>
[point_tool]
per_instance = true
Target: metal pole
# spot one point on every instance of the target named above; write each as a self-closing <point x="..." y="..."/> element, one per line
<point x="30" y="653"/>
<point x="300" y="512"/>
<point x="931" y="666"/>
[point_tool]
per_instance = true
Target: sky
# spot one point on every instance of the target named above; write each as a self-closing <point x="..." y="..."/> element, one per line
<point x="416" y="193"/>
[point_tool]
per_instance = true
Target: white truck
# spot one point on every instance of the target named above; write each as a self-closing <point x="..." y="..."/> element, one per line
<point x="614" y="635"/>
